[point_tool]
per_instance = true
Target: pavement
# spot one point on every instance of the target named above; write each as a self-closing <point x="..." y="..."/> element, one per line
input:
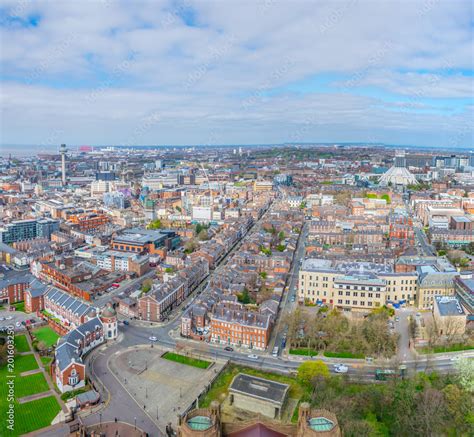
<point x="164" y="388"/>
<point x="404" y="352"/>
<point x="118" y="403"/>
<point x="290" y="290"/>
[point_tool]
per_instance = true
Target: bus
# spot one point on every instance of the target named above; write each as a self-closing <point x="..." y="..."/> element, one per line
<point x="385" y="374"/>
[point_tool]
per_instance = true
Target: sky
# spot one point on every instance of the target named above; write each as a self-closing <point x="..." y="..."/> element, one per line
<point x="105" y="72"/>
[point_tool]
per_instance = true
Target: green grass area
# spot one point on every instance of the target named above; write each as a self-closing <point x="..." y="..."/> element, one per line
<point x="304" y="351"/>
<point x="24" y="363"/>
<point x="31" y="415"/>
<point x="343" y="355"/>
<point x="21" y="343"/>
<point x="30" y="385"/>
<point x="220" y="386"/>
<point x="47" y="335"/>
<point x="19" y="306"/>
<point x="46" y="363"/>
<point x="442" y="349"/>
<point x="72" y="394"/>
<point x="201" y="364"/>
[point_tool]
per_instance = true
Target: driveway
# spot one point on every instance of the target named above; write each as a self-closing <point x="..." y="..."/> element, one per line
<point x="402" y="328"/>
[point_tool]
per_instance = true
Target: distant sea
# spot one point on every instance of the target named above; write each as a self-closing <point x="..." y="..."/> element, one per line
<point x="24" y="150"/>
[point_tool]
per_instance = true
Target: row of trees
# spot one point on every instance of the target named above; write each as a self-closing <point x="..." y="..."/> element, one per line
<point x="334" y="332"/>
<point x="426" y="405"/>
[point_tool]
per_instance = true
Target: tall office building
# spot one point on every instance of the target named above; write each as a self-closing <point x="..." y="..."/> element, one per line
<point x="21" y="230"/>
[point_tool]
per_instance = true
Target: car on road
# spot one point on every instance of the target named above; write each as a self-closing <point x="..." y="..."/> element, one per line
<point x="126" y="322"/>
<point x="293" y="298"/>
<point x="397" y="319"/>
<point x="275" y="351"/>
<point x="8" y="318"/>
<point x="2" y="319"/>
<point x="252" y="357"/>
<point x="341" y="368"/>
<point x="152" y="338"/>
<point x="18" y="324"/>
<point x="229" y="349"/>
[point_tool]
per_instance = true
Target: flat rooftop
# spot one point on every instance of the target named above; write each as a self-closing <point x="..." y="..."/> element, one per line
<point x="259" y="388"/>
<point x="449" y="306"/>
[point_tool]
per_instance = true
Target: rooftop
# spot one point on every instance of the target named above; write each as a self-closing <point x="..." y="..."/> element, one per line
<point x="260" y="388"/>
<point x="449" y="306"/>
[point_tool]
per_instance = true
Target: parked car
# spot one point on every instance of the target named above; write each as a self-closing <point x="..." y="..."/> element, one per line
<point x="229" y="349"/>
<point x="275" y="351"/>
<point x="397" y="319"/>
<point x="341" y="368"/>
<point x="126" y="322"/>
<point x="252" y="357"/>
<point x="18" y="324"/>
<point x="152" y="338"/>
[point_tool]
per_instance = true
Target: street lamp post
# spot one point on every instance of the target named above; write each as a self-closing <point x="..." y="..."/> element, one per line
<point x="135" y="422"/>
<point x="100" y="420"/>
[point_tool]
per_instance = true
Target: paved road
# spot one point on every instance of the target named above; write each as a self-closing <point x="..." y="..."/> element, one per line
<point x="427" y="248"/>
<point x="127" y="286"/>
<point x="291" y="290"/>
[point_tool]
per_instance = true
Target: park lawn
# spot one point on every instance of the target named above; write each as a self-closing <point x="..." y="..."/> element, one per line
<point x="220" y="386"/>
<point x="32" y="416"/>
<point x="343" y="355"/>
<point x="46" y="335"/>
<point x="24" y="363"/>
<point x="30" y="384"/>
<point x="19" y="306"/>
<point x="21" y="343"/>
<point x="200" y="364"/>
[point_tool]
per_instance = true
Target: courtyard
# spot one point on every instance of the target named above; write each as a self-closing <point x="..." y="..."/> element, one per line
<point x="164" y="388"/>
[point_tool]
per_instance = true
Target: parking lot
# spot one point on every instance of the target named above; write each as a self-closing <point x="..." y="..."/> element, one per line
<point x="15" y="319"/>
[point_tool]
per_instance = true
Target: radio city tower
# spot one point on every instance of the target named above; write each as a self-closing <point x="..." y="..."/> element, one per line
<point x="63" y="151"/>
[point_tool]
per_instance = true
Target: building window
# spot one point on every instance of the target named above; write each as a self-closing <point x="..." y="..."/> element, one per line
<point x="73" y="378"/>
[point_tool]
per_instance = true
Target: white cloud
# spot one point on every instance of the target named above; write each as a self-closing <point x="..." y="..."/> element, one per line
<point x="69" y="69"/>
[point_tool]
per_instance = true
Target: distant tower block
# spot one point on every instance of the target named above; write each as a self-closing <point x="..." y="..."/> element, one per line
<point x="63" y="151"/>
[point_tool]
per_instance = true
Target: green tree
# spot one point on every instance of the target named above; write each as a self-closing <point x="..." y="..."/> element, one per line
<point x="459" y="406"/>
<point x="146" y="285"/>
<point x="309" y="370"/>
<point x="281" y="236"/>
<point x="203" y="235"/>
<point x="190" y="246"/>
<point x="465" y="370"/>
<point x="155" y="224"/>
